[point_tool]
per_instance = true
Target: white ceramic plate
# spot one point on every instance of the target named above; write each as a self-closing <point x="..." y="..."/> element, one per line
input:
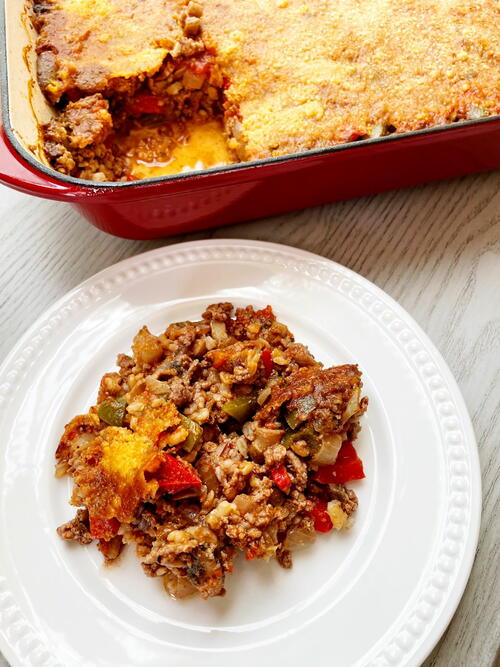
<point x="381" y="594"/>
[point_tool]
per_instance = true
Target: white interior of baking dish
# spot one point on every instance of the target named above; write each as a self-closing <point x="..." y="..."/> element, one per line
<point x="27" y="105"/>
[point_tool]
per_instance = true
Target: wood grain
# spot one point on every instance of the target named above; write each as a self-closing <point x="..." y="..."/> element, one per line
<point x="434" y="248"/>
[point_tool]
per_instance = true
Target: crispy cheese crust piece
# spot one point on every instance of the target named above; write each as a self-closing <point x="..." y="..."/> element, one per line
<point x="110" y="476"/>
<point x="154" y="418"/>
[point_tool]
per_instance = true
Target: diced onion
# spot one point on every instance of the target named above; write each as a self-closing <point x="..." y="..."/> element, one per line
<point x="328" y="451"/>
<point x="266" y="437"/>
<point x="378" y="131"/>
<point x="207" y="474"/>
<point x="352" y="406"/>
<point x="264" y="395"/>
<point x="244" y="503"/>
<point x="298" y="537"/>
<point x="177" y="587"/>
<point x="218" y="330"/>
<point x="337" y="515"/>
<point x="266" y="392"/>
<point x="192" y="81"/>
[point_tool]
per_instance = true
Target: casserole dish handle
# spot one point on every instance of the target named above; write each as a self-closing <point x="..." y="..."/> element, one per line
<point x="18" y="173"/>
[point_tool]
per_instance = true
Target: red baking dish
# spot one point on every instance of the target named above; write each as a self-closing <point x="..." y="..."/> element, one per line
<point x="187" y="202"/>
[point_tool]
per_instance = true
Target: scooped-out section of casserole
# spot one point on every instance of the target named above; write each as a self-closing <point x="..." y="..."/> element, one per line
<point x="150" y="87"/>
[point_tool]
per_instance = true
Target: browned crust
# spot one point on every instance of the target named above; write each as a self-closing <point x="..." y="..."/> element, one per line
<point x="107" y="46"/>
<point x="313" y="74"/>
<point x="315" y="395"/>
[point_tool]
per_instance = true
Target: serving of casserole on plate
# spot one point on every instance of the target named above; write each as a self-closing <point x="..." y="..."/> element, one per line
<point x="150" y="87"/>
<point x="217" y="436"/>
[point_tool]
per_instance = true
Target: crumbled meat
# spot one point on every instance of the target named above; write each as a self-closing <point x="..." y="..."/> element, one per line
<point x="179" y="392"/>
<point x="301" y="355"/>
<point x="192" y="553"/>
<point x="221" y="312"/>
<point x="77" y="529"/>
<point x="75" y="140"/>
<point x="233" y="476"/>
<point x="274" y="456"/>
<point x="284" y="558"/>
<point x="87" y="121"/>
<point x="346" y="497"/>
<point x="111" y="386"/>
<point x="297" y="470"/>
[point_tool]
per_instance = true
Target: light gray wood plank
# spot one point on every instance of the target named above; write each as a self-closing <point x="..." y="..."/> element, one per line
<point x="434" y="248"/>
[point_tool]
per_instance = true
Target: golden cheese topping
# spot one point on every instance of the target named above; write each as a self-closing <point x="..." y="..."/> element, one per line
<point x="125" y="453"/>
<point x="309" y="74"/>
<point x="110" y="480"/>
<point x="96" y="45"/>
<point x="154" y="417"/>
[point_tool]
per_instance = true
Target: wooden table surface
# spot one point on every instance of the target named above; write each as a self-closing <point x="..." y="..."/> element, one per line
<point x="434" y="248"/>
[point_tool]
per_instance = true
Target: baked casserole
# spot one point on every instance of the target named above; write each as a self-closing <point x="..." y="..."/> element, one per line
<point x="146" y="87"/>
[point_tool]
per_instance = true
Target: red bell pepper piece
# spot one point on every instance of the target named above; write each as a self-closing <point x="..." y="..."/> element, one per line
<point x="281" y="478"/>
<point x="175" y="475"/>
<point x="320" y="517"/>
<point x="346" y="468"/>
<point x="251" y="553"/>
<point x="201" y="65"/>
<point x="267" y="360"/>
<point x="103" y="529"/>
<point x="353" y="136"/>
<point x="347" y="452"/>
<point x="146" y="103"/>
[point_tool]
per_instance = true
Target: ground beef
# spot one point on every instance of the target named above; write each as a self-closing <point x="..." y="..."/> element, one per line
<point x="77" y="529"/>
<point x="75" y="139"/>
<point x="87" y="121"/>
<point x="221" y="312"/>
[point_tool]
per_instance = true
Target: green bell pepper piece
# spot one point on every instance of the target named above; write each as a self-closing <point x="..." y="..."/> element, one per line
<point x="112" y="411"/>
<point x="292" y="420"/>
<point x="194" y="433"/>
<point x="240" y="408"/>
<point x="306" y="433"/>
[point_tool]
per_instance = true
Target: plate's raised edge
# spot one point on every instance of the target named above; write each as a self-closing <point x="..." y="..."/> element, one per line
<point x="426" y="619"/>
